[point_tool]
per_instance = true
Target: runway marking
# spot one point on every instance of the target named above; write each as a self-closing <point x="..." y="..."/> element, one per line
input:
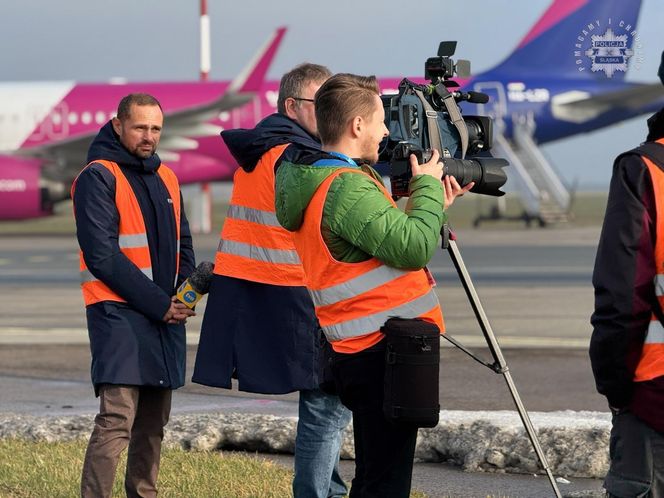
<point x="40" y="259"/>
<point x="577" y="270"/>
<point x="29" y="335"/>
<point x="521" y="341"/>
<point x="5" y="261"/>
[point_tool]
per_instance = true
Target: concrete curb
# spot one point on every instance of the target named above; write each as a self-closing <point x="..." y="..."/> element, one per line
<point x="575" y="443"/>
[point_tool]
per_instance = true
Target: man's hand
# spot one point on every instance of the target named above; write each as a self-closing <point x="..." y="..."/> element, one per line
<point x="435" y="169"/>
<point x="454" y="190"/>
<point x="431" y="168"/>
<point x="178" y="312"/>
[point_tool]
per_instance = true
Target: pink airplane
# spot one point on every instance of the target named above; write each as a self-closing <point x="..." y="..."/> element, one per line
<point x="46" y="128"/>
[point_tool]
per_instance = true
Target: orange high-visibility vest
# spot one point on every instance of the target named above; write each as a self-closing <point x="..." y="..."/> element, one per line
<point x="253" y="244"/>
<point x="354" y="300"/>
<point x="651" y="363"/>
<point x="132" y="234"/>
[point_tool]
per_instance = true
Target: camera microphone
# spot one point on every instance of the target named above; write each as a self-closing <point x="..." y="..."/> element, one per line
<point x="472" y="97"/>
<point x="192" y="290"/>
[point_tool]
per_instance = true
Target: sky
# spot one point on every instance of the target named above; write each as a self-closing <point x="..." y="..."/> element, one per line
<point x="158" y="40"/>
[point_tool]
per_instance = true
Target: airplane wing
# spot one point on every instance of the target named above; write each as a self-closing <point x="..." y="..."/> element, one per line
<point x="179" y="125"/>
<point x="578" y="107"/>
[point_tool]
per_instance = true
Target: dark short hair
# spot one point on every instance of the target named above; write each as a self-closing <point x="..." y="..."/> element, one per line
<point x="135" y="99"/>
<point x="293" y="82"/>
<point x="340" y="99"/>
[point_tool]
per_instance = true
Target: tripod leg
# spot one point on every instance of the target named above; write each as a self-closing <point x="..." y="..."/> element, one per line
<point x="532" y="435"/>
<point x="501" y="365"/>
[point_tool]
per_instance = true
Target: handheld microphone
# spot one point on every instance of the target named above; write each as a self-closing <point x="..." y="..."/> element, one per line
<point x="192" y="290"/>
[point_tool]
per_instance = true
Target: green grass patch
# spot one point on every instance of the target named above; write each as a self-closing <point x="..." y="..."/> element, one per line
<point x="29" y="469"/>
<point x="39" y="469"/>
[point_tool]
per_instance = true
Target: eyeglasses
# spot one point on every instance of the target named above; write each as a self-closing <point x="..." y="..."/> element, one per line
<point x="300" y="98"/>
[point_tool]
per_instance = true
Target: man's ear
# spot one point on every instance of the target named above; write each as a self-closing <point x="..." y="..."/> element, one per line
<point x="116" y="125"/>
<point x="289" y="105"/>
<point x="357" y="125"/>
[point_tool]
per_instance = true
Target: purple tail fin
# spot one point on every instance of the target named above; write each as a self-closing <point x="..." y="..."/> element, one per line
<point x="578" y="39"/>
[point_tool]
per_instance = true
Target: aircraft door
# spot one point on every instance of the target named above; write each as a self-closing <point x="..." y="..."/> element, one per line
<point x="496" y="108"/>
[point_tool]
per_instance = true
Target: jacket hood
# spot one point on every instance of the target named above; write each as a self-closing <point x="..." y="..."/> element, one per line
<point x="656" y="126"/>
<point x="106" y="145"/>
<point x="297" y="183"/>
<point x="248" y="146"/>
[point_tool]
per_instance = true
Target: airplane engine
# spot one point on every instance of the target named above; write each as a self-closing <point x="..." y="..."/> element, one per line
<point x="24" y="193"/>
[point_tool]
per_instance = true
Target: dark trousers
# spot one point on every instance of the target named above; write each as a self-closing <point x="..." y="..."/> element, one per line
<point x="384" y="451"/>
<point x="128" y="416"/>
<point x="637" y="459"/>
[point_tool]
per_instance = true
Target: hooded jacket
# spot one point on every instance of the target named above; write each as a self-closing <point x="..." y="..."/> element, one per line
<point x="248" y="146"/>
<point x="624" y="290"/>
<point x="274" y="351"/>
<point x="130" y="343"/>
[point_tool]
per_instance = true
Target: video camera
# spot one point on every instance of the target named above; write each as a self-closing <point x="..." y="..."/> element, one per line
<point x="425" y="117"/>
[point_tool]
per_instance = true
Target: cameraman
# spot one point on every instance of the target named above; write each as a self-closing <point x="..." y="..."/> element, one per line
<point x="364" y="261"/>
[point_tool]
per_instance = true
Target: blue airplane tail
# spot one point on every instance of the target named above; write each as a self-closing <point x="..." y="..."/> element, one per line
<point x="578" y="39"/>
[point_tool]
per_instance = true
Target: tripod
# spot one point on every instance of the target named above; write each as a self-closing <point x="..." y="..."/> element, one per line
<point x="499" y="365"/>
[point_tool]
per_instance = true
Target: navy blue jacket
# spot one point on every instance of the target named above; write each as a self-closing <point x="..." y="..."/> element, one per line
<point x="129" y="342"/>
<point x="266" y="336"/>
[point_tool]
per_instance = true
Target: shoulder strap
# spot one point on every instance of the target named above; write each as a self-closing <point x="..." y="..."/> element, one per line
<point x="432" y="120"/>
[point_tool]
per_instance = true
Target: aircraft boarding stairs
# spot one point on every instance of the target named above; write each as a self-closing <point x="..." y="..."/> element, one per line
<point x="544" y="197"/>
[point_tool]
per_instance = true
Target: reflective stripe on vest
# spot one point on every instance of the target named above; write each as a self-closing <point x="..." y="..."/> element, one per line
<point x="362" y="283"/>
<point x="253" y="246"/>
<point x="353" y="300"/>
<point x="262" y="254"/>
<point x="132" y="236"/>
<point x="136" y="240"/>
<point x="253" y="215"/>
<point x="651" y="362"/>
<point x="371" y="323"/>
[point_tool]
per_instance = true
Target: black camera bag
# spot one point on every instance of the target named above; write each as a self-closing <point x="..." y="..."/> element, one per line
<point x="412" y="357"/>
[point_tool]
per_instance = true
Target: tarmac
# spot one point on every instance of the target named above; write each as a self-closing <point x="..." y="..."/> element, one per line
<point x="535" y="289"/>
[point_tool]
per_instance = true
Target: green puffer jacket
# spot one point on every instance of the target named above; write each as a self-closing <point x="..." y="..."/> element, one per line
<point x="358" y="220"/>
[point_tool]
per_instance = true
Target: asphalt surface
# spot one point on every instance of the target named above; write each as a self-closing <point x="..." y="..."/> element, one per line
<point x="534" y="286"/>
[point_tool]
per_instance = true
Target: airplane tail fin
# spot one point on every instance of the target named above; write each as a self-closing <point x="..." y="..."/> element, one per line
<point x="253" y="74"/>
<point x="578" y="39"/>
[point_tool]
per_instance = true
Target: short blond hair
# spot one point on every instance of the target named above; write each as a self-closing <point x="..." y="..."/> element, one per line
<point x="340" y="99"/>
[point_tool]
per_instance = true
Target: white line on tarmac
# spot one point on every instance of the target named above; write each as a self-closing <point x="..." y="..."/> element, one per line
<point x="26" y="335"/>
<point x="522" y="342"/>
<point x="21" y="272"/>
<point x="577" y="270"/>
<point x="40" y="259"/>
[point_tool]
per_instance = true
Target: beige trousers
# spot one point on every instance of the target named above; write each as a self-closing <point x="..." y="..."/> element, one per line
<point x="130" y="416"/>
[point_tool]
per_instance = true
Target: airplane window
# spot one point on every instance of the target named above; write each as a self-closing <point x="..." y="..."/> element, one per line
<point x="72" y="118"/>
<point x="56" y="118"/>
<point x="86" y="118"/>
<point x="100" y="117"/>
